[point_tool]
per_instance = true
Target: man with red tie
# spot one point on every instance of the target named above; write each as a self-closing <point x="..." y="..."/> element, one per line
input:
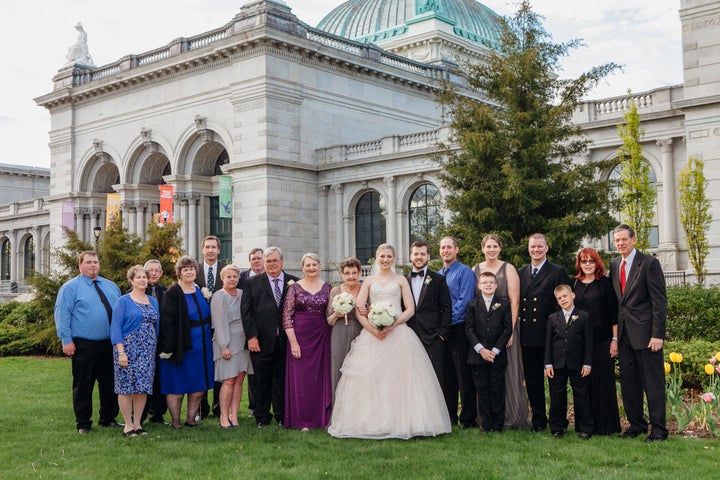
<point x="639" y="285"/>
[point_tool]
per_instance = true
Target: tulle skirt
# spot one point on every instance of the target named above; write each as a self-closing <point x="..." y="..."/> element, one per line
<point x="388" y="389"/>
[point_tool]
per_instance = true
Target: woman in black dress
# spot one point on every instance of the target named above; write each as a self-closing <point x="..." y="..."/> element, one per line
<point x="594" y="294"/>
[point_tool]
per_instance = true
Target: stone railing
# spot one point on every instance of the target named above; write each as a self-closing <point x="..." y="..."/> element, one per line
<point x="622" y="104"/>
<point x="84" y="75"/>
<point x="385" y="146"/>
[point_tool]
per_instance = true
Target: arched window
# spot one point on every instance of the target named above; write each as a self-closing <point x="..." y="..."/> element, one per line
<point x="29" y="257"/>
<point x="425" y="213"/>
<point x="615" y="174"/>
<point x="369" y="225"/>
<point x="5" y="260"/>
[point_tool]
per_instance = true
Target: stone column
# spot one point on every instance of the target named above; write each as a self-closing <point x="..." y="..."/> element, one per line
<point x="14" y="252"/>
<point x="193" y="206"/>
<point x="140" y="208"/>
<point x="668" y="232"/>
<point x="323" y="225"/>
<point x="339" y="226"/>
<point x="391" y="218"/>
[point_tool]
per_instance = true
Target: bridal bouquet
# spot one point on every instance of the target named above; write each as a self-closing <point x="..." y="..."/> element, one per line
<point x="343" y="303"/>
<point x="382" y="314"/>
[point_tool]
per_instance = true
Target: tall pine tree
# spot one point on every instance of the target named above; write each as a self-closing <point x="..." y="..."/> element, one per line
<point x="513" y="173"/>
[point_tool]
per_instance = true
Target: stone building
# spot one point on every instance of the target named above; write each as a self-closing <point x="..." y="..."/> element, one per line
<point x="329" y="140"/>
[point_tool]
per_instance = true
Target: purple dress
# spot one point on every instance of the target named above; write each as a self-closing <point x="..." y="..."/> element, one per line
<point x="308" y="389"/>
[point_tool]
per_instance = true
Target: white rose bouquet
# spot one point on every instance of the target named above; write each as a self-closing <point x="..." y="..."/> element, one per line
<point x="343" y="303"/>
<point x="382" y="314"/>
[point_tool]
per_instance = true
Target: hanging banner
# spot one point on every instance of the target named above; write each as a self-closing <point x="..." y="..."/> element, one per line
<point x="225" y="194"/>
<point x="68" y="217"/>
<point x="166" y="204"/>
<point x="113" y="208"/>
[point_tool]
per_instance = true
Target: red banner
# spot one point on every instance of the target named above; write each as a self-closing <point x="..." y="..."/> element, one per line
<point x="166" y="204"/>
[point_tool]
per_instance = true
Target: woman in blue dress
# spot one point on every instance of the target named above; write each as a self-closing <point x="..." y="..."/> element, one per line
<point x="185" y="344"/>
<point x="133" y="332"/>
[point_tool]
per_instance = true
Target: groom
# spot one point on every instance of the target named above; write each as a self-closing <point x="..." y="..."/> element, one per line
<point x="433" y="307"/>
<point x="261" y="306"/>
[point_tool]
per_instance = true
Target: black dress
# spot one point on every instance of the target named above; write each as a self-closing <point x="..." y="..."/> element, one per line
<point x="598" y="299"/>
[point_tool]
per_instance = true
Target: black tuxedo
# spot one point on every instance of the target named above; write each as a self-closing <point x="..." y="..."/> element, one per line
<point x="492" y="329"/>
<point x="642" y="311"/>
<point x="244" y="275"/>
<point x="537" y="301"/>
<point x="202" y="282"/>
<point x="433" y="314"/>
<point x="568" y="347"/>
<point x="262" y="319"/>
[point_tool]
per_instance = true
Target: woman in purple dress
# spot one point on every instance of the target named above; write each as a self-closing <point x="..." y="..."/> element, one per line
<point x="308" y="391"/>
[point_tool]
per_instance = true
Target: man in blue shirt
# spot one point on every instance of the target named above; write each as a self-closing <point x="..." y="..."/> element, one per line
<point x="83" y="310"/>
<point x="461" y="283"/>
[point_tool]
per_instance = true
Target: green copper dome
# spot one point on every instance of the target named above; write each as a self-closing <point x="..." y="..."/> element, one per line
<point x="381" y="20"/>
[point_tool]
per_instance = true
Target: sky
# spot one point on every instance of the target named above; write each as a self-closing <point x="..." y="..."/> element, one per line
<point x="642" y="35"/>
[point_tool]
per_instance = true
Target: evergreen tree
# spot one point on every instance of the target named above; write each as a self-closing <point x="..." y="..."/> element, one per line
<point x="118" y="250"/>
<point x="695" y="215"/>
<point x="513" y="173"/>
<point x="164" y="244"/>
<point x="637" y="195"/>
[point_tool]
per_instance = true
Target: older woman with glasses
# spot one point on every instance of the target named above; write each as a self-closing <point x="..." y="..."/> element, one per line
<point x="594" y="294"/>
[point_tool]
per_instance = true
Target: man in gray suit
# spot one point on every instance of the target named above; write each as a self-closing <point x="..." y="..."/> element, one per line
<point x="639" y="285"/>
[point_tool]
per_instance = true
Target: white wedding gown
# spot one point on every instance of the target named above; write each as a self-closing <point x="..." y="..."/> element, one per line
<point x="388" y="388"/>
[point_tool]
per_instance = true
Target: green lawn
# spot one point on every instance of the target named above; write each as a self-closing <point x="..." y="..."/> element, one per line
<point x="38" y="440"/>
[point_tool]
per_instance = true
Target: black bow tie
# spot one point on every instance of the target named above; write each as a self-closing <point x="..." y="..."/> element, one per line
<point x="421" y="273"/>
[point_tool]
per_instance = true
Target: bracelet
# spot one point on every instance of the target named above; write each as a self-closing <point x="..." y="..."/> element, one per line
<point x="614" y="339"/>
<point x="121" y="352"/>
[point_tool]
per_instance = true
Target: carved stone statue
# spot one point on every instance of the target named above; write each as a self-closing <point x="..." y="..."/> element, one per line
<point x="78" y="53"/>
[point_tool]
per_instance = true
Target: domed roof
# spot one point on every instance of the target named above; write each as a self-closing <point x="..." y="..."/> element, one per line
<point x="378" y="20"/>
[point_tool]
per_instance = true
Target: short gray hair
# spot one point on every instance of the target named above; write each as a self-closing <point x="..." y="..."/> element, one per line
<point x="271" y="250"/>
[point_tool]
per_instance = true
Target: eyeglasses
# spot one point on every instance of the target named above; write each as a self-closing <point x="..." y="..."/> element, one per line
<point x="587" y="261"/>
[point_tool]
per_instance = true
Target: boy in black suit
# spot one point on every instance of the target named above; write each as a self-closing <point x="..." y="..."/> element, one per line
<point x="568" y="355"/>
<point x="488" y="326"/>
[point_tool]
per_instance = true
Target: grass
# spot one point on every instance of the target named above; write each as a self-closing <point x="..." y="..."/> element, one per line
<point x="39" y="441"/>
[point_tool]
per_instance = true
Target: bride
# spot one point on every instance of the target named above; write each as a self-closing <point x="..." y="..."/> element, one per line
<point x="388" y="388"/>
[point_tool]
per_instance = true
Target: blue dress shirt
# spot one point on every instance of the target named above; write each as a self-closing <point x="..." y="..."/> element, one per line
<point x="79" y="312"/>
<point x="461" y="283"/>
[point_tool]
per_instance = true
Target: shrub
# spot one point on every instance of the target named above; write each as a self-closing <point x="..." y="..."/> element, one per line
<point x="696" y="354"/>
<point x="693" y="313"/>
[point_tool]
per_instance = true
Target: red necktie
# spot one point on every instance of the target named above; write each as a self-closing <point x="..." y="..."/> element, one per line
<point x="622" y="277"/>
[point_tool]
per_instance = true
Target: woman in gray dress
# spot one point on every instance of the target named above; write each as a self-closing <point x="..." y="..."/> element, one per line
<point x="232" y="361"/>
<point x="345" y="326"/>
<point x="508" y="286"/>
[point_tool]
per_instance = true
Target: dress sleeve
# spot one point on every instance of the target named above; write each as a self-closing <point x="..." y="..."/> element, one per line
<point x="220" y="320"/>
<point x="289" y="308"/>
<point x="118" y="319"/>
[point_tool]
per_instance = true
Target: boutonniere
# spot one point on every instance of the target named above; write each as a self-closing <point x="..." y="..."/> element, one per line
<point x="290" y="282"/>
<point x="206" y="293"/>
<point x="495" y="306"/>
<point x="573" y="318"/>
<point x="428" y="280"/>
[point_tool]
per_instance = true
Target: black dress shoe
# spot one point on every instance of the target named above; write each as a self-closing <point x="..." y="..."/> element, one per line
<point x="630" y="434"/>
<point x="584" y="435"/>
<point x="190" y="425"/>
<point x="465" y="426"/>
<point x="83" y="430"/>
<point x="112" y="424"/>
<point x="653" y="437"/>
<point x="537" y="428"/>
<point x="558" y="434"/>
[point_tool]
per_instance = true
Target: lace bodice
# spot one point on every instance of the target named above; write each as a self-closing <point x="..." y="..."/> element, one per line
<point x="386" y="293"/>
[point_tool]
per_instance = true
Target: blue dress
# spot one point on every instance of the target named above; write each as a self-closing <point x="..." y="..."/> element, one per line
<point x="137" y="377"/>
<point x="195" y="373"/>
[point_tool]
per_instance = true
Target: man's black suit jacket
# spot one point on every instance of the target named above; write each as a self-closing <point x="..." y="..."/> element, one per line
<point x="537" y="301"/>
<point x="569" y="345"/>
<point x="261" y="317"/>
<point x="492" y="329"/>
<point x="433" y="312"/>
<point x="642" y="309"/>
<point x="200" y="278"/>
